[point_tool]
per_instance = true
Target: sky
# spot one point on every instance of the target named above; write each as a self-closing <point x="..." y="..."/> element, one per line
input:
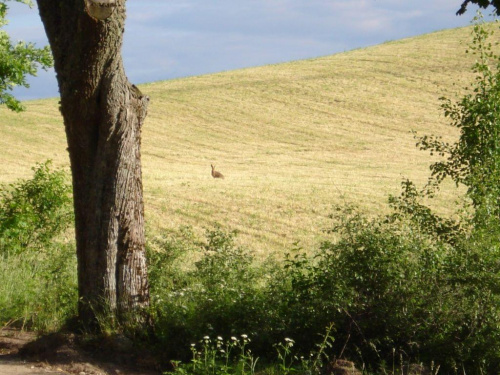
<point x="166" y="39"/>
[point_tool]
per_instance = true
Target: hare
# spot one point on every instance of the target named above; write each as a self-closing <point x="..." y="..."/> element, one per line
<point x="216" y="174"/>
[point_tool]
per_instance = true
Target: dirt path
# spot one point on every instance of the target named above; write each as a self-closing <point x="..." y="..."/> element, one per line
<point x="10" y="361"/>
<point x="16" y="368"/>
<point x="22" y="353"/>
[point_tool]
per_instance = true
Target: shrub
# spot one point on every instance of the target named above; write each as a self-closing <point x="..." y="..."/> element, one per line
<point x="33" y="212"/>
<point x="38" y="269"/>
<point x="221" y="295"/>
<point x="392" y="291"/>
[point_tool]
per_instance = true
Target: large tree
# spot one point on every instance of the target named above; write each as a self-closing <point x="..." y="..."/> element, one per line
<point x="103" y="114"/>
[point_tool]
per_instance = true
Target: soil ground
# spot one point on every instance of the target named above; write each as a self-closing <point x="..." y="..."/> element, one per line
<point x="22" y="353"/>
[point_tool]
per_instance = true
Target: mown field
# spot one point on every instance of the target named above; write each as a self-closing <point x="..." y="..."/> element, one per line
<point x="292" y="139"/>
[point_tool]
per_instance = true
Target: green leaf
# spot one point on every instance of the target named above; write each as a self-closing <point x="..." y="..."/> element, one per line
<point x="17" y="61"/>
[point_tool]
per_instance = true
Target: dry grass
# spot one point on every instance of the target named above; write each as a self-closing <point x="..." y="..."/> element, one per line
<point x="292" y="139"/>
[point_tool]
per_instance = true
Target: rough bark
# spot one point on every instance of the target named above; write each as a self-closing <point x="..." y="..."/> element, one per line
<point x="103" y="114"/>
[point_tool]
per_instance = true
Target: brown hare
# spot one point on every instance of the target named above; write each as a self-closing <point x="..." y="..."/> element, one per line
<point x="216" y="174"/>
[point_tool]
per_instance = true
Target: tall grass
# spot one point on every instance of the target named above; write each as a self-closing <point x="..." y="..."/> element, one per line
<point x="38" y="291"/>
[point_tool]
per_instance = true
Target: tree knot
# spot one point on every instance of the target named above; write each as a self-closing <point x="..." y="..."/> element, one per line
<point x="100" y="9"/>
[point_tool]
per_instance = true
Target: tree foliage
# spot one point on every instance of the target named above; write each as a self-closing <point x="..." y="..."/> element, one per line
<point x="473" y="160"/>
<point x="17" y="61"/>
<point x="481" y="3"/>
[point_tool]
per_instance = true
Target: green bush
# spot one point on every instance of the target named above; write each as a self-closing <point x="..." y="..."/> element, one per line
<point x="33" y="212"/>
<point x="393" y="293"/>
<point x="38" y="269"/>
<point x="223" y="295"/>
<point x="391" y="288"/>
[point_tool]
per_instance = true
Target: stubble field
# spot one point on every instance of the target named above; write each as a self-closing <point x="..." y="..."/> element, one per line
<point x="292" y="139"/>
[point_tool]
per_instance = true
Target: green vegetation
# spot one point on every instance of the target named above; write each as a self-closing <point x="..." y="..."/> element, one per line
<point x="474" y="160"/>
<point x="17" y="61"/>
<point x="37" y="268"/>
<point x="33" y="212"/>
<point x="393" y="294"/>
<point x="414" y="285"/>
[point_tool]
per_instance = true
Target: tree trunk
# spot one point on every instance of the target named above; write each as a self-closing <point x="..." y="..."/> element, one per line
<point x="103" y="114"/>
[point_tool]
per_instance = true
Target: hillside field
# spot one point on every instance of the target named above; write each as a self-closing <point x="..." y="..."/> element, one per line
<point x="292" y="139"/>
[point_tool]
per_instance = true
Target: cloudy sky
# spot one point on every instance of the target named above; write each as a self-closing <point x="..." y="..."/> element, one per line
<point x="167" y="39"/>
